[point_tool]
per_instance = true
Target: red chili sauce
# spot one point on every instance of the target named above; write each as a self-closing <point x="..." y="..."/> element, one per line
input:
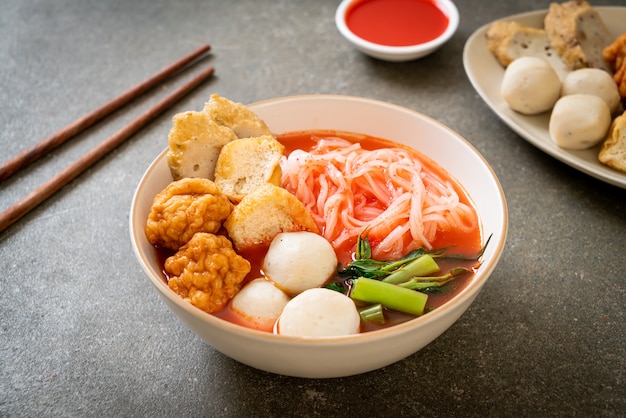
<point x="396" y="22"/>
<point x="468" y="244"/>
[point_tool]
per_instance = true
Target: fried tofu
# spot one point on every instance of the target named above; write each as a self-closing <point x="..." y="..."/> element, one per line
<point x="195" y="142"/>
<point x="578" y="34"/>
<point x="196" y="138"/>
<point x="235" y="116"/>
<point x="613" y="151"/>
<point x="246" y="164"/>
<point x="509" y="40"/>
<point x="263" y="214"/>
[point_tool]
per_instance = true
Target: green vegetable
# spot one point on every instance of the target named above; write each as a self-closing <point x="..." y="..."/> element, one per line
<point x="337" y="287"/>
<point x="421" y="266"/>
<point x="422" y="283"/>
<point x="389" y="295"/>
<point x="399" y="284"/>
<point x="373" y="313"/>
<point x="364" y="266"/>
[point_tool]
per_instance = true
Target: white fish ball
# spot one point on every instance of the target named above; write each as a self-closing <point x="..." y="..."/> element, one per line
<point x="579" y="121"/>
<point x="296" y="261"/>
<point x="319" y="312"/>
<point x="592" y="81"/>
<point x="530" y="85"/>
<point x="260" y="303"/>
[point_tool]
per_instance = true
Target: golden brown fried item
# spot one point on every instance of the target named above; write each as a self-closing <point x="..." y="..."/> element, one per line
<point x="196" y="138"/>
<point x="207" y="271"/>
<point x="263" y="214"/>
<point x="183" y="208"/>
<point x="509" y="40"/>
<point x="235" y="116"/>
<point x="195" y="141"/>
<point x="247" y="163"/>
<point x="615" y="56"/>
<point x="577" y="33"/>
<point x="613" y="151"/>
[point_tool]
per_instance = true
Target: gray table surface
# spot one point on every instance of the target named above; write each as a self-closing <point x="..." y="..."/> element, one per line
<point x="84" y="334"/>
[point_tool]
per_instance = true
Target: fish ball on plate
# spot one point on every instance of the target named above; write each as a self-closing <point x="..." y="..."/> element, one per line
<point x="530" y="85"/>
<point x="579" y="121"/>
<point x="260" y="303"/>
<point x="592" y="81"/>
<point x="319" y="312"/>
<point x="296" y="261"/>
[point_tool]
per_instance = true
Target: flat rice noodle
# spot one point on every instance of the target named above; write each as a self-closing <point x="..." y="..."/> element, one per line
<point x="387" y="191"/>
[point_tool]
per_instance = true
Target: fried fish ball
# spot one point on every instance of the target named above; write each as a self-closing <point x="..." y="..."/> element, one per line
<point x="259" y="304"/>
<point x="530" y="86"/>
<point x="579" y="121"/>
<point x="183" y="208"/>
<point x="288" y="262"/>
<point x="319" y="312"/>
<point x="592" y="81"/>
<point x="207" y="271"/>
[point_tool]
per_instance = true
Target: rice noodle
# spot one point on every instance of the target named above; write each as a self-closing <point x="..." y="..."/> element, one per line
<point x="388" y="191"/>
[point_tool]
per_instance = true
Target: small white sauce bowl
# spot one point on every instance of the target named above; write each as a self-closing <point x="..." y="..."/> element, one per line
<point x="398" y="53"/>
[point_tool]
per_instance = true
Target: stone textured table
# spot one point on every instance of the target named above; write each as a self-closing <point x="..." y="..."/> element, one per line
<point x="82" y="333"/>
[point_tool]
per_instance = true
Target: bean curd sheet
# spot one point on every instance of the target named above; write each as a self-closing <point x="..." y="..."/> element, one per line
<point x="447" y="221"/>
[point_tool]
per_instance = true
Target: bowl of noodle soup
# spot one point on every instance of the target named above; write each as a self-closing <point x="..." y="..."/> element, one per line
<point x="321" y="357"/>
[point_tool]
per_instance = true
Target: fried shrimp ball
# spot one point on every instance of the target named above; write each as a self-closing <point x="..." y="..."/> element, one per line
<point x="207" y="271"/>
<point x="183" y="208"/>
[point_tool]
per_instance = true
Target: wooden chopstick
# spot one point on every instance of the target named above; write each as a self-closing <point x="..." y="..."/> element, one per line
<point x="30" y="201"/>
<point x="46" y="145"/>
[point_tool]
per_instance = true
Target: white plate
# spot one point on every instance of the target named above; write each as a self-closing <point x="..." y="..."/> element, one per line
<point x="485" y="74"/>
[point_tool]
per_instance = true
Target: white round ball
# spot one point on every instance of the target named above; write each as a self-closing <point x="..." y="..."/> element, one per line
<point x="296" y="261"/>
<point x="319" y="312"/>
<point x="530" y="85"/>
<point x="592" y="81"/>
<point x="259" y="303"/>
<point x="579" y="121"/>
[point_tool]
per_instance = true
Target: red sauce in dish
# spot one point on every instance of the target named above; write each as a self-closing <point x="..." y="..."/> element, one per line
<point x="396" y="22"/>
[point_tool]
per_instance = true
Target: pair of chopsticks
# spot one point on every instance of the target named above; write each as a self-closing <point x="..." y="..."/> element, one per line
<point x="37" y="196"/>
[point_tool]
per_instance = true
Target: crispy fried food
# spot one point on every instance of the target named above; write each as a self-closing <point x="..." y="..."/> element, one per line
<point x="613" y="151"/>
<point x="183" y="208"/>
<point x="263" y="214"/>
<point x="235" y="116"/>
<point x="578" y="34"/>
<point x="196" y="138"/>
<point x="207" y="271"/>
<point x="195" y="141"/>
<point x="509" y="40"/>
<point x="247" y="163"/>
<point x="615" y="56"/>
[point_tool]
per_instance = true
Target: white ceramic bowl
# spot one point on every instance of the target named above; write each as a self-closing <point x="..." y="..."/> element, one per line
<point x="398" y="53"/>
<point x="322" y="357"/>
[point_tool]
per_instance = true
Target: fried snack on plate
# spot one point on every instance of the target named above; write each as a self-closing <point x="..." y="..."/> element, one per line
<point x="195" y="141"/>
<point x="263" y="214"/>
<point x="183" y="208"/>
<point x="247" y="163"/>
<point x="509" y="40"/>
<point x="578" y="34"/>
<point x="615" y="56"/>
<point x="235" y="116"/>
<point x="207" y="271"/>
<point x="613" y="151"/>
